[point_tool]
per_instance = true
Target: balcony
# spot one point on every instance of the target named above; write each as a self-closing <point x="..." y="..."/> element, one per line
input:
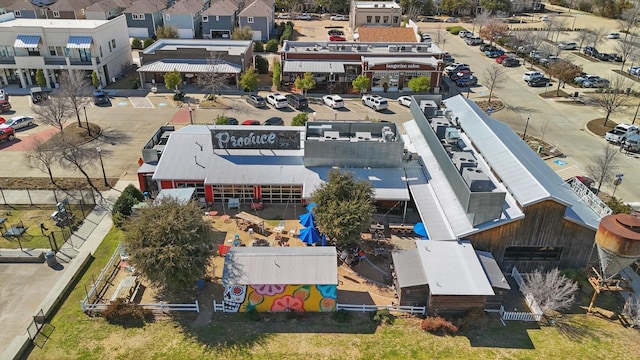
<point x="55" y="60"/>
<point x="7" y="60"/>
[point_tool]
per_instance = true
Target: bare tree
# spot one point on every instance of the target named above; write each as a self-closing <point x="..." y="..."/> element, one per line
<point x="213" y="80"/>
<point x="554" y="26"/>
<point x="482" y="20"/>
<point x="76" y="88"/>
<point x="632" y="310"/>
<point x="629" y="19"/>
<point x="564" y="71"/>
<point x="42" y="157"/>
<point x="611" y="100"/>
<point x="535" y="39"/>
<point x="626" y="48"/>
<point x="494" y="30"/>
<point x="493" y="78"/>
<point x="440" y="36"/>
<point x="551" y="290"/>
<point x="604" y="164"/>
<point x="80" y="157"/>
<point x="595" y="37"/>
<point x="54" y="111"/>
<point x="544" y="128"/>
<point x="583" y="37"/>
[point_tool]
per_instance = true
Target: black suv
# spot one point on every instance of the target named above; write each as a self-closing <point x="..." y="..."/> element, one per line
<point x="297" y="101"/>
<point x="590" y="51"/>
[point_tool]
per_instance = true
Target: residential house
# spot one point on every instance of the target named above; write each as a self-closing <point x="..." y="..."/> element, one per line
<point x="25" y="9"/>
<point x="184" y="15"/>
<point x="4" y="5"/>
<point x="377" y="13"/>
<point x="27" y="45"/>
<point x="219" y="20"/>
<point x="144" y="17"/>
<point x="259" y="15"/>
<point x="106" y="9"/>
<point x="65" y="9"/>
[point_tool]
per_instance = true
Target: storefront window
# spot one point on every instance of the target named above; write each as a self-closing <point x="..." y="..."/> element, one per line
<point x="368" y="19"/>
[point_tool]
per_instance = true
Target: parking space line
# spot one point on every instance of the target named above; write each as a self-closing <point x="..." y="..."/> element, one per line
<point x="141" y="102"/>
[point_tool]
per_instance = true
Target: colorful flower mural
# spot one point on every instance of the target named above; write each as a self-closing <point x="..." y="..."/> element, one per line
<point x="279" y="298"/>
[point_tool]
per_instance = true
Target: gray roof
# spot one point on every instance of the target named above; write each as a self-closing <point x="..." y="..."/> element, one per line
<point x="492" y="270"/>
<point x="191" y="66"/>
<point x="452" y="268"/>
<point x="146" y="6"/>
<point x="413" y="50"/>
<point x="183" y="195"/>
<point x="265" y="167"/>
<point x="106" y="5"/>
<point x="232" y="47"/>
<point x="258" y="8"/>
<point x="183" y="7"/>
<point x="408" y="267"/>
<point x="304" y="265"/>
<point x="221" y="7"/>
<point x="336" y="67"/>
<point x="522" y="171"/>
<point x="389" y="59"/>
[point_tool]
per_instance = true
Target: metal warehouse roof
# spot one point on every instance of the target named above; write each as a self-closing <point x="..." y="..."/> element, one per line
<point x="408" y="267"/>
<point x="492" y="270"/>
<point x="280" y="265"/>
<point x="191" y="66"/>
<point x="452" y="268"/>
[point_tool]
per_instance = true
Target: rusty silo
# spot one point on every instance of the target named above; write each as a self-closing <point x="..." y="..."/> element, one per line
<point x="618" y="240"/>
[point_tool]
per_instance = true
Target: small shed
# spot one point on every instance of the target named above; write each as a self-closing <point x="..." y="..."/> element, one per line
<point x="183" y="195"/>
<point x="278" y="279"/>
<point x="496" y="278"/>
<point x="409" y="278"/>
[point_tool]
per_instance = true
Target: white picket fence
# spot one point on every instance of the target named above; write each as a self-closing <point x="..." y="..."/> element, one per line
<point x="536" y="312"/>
<point x="162" y="307"/>
<point x="519" y="315"/>
<point x="98" y="283"/>
<point x="219" y="307"/>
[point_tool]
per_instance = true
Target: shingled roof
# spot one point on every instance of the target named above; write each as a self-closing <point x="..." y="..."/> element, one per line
<point x="386" y="34"/>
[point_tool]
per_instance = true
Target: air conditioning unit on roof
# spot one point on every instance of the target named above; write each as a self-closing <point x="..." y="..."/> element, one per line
<point x="393" y="48"/>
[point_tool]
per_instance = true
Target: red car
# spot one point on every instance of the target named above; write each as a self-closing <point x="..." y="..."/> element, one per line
<point x="337" y="38"/>
<point x="7" y="134"/>
<point x="4" y="106"/>
<point x="251" y="122"/>
<point x="500" y="58"/>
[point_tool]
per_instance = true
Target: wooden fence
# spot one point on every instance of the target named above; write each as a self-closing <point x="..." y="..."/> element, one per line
<point x="422" y="310"/>
<point x="161" y="307"/>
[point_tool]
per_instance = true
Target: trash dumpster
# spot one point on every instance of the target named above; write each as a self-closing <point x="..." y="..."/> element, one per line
<point x="50" y="257"/>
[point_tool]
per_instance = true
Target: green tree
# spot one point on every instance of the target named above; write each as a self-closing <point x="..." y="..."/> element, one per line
<point x="453" y="6"/>
<point x="262" y="65"/>
<point x="40" y="79"/>
<point x="276" y="74"/>
<point x="243" y="33"/>
<point x="136" y="43"/>
<point x="618" y="206"/>
<point x="222" y="120"/>
<point x="344" y="207"/>
<point x="169" y="243"/>
<point x="172" y="80"/>
<point x="334" y="6"/>
<point x="361" y="83"/>
<point x="148" y="41"/>
<point x="129" y="197"/>
<point x="300" y="119"/>
<point x="495" y="5"/>
<point x="166" y="32"/>
<point x="95" y="80"/>
<point x="305" y="83"/>
<point x="258" y="46"/>
<point x="249" y="80"/>
<point x="272" y="46"/>
<point x="420" y="83"/>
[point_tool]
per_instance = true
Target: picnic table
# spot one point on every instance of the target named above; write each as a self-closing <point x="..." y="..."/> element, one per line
<point x="127" y="288"/>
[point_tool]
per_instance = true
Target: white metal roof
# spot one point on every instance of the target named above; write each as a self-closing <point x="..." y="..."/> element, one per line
<point x="408" y="268"/>
<point x="452" y="268"/>
<point x="79" y="42"/>
<point x="232" y="47"/>
<point x="374" y="60"/>
<point x="54" y="23"/>
<point x="191" y="66"/>
<point x="336" y="67"/>
<point x="281" y="265"/>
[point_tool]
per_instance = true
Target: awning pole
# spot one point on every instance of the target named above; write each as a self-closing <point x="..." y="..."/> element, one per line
<point x="404" y="212"/>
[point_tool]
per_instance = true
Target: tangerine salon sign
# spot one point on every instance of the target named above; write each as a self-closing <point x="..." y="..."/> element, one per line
<point x="401" y="66"/>
<point x="256" y="139"/>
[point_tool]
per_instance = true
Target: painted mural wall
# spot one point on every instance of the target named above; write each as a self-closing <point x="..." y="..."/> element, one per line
<point x="280" y="298"/>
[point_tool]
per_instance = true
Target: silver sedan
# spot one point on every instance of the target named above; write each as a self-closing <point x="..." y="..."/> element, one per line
<point x="18" y="122"/>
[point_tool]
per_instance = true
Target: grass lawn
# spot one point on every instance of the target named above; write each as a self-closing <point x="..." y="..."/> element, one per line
<point x="318" y="336"/>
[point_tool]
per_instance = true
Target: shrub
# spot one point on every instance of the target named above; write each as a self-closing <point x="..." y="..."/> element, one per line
<point x="438" y="325"/>
<point x="129" y="197"/>
<point x="258" y="46"/>
<point x="136" y="43"/>
<point x="123" y="313"/>
<point x="300" y="119"/>
<point x="262" y="65"/>
<point x="253" y="315"/>
<point x="454" y="30"/>
<point x="178" y="97"/>
<point x="148" y="41"/>
<point x="586" y="6"/>
<point x="222" y="120"/>
<point x="275" y="81"/>
<point x="272" y="46"/>
<point x="342" y="316"/>
<point x="384" y="317"/>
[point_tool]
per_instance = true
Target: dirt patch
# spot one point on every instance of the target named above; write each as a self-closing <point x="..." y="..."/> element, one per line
<point x="43" y="183"/>
<point x="597" y="126"/>
<point x="554" y="94"/>
<point x="218" y="103"/>
<point x="495" y="105"/>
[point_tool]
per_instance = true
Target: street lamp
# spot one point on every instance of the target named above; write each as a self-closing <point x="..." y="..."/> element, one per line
<point x="190" y="113"/>
<point x="104" y="174"/>
<point x="526" y="125"/>
<point x="86" y="120"/>
<point x="636" y="115"/>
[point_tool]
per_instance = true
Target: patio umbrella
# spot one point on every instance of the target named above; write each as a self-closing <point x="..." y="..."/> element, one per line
<point x="307" y="220"/>
<point x="309" y="235"/>
<point x="421" y="230"/>
<point x="310" y="206"/>
<point x="323" y="240"/>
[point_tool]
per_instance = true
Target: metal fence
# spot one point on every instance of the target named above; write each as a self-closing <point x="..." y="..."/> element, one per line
<point x="46" y="197"/>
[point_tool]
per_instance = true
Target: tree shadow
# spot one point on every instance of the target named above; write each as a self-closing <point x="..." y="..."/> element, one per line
<point x="520" y="109"/>
<point x="513" y="335"/>
<point x="114" y="137"/>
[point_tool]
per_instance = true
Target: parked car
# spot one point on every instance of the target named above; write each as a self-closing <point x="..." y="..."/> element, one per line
<point x="596" y="83"/>
<point x="474" y="40"/>
<point x="539" y="82"/>
<point x="429" y="19"/>
<point x="460" y="74"/>
<point x="590" y="51"/>
<point x="304" y="16"/>
<point x="232" y="121"/>
<point x="451" y="20"/>
<point x="256" y="101"/>
<point x="284" y="16"/>
<point x="494" y="53"/>
<point x="426" y="38"/>
<point x="524" y="49"/>
<point x="568" y="45"/>
<point x="404" y="101"/>
<point x="251" y="122"/>
<point x="634" y="70"/>
<point x="339" y="18"/>
<point x="621" y="132"/>
<point x="615" y="57"/>
<point x="531" y="75"/>
<point x="463" y="33"/>
<point x="337" y="38"/>
<point x="297" y="101"/>
<point x="613" y="35"/>
<point x="335" y="32"/>
<point x="100" y="98"/>
<point x="277" y="100"/>
<point x="455" y="67"/>
<point x="544" y="18"/>
<point x="7" y="134"/>
<point x="500" y="58"/>
<point x="582" y="78"/>
<point x="38" y="95"/>
<point x="18" y="122"/>
<point x="487" y="47"/>
<point x="467" y="81"/>
<point x="375" y="102"/>
<point x="3" y="95"/>
<point x="510" y="62"/>
<point x="602" y="56"/>
<point x="448" y="59"/>
<point x="273" y="121"/>
<point x="546" y="61"/>
<point x="4" y="106"/>
<point x="333" y="101"/>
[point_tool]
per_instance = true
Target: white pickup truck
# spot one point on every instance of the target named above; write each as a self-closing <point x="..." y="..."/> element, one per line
<point x="621" y="132"/>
